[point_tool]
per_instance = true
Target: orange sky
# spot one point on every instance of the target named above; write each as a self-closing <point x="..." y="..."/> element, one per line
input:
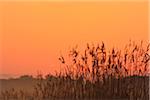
<point x="32" y="34"/>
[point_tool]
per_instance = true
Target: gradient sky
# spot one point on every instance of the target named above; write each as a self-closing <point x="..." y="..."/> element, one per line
<point x="34" y="34"/>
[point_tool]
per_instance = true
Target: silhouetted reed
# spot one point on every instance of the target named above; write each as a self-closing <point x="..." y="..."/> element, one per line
<point x="98" y="74"/>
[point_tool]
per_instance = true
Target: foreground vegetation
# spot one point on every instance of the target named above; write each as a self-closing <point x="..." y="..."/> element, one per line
<point x="95" y="74"/>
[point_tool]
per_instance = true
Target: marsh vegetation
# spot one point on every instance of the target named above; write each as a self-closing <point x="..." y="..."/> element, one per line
<point x="94" y="74"/>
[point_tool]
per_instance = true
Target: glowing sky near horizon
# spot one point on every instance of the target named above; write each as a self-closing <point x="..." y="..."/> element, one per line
<point x="34" y="34"/>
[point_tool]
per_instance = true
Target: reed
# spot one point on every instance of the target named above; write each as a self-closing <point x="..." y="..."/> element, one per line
<point x="96" y="74"/>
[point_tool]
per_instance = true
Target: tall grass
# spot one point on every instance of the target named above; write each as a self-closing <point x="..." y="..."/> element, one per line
<point x="98" y="74"/>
